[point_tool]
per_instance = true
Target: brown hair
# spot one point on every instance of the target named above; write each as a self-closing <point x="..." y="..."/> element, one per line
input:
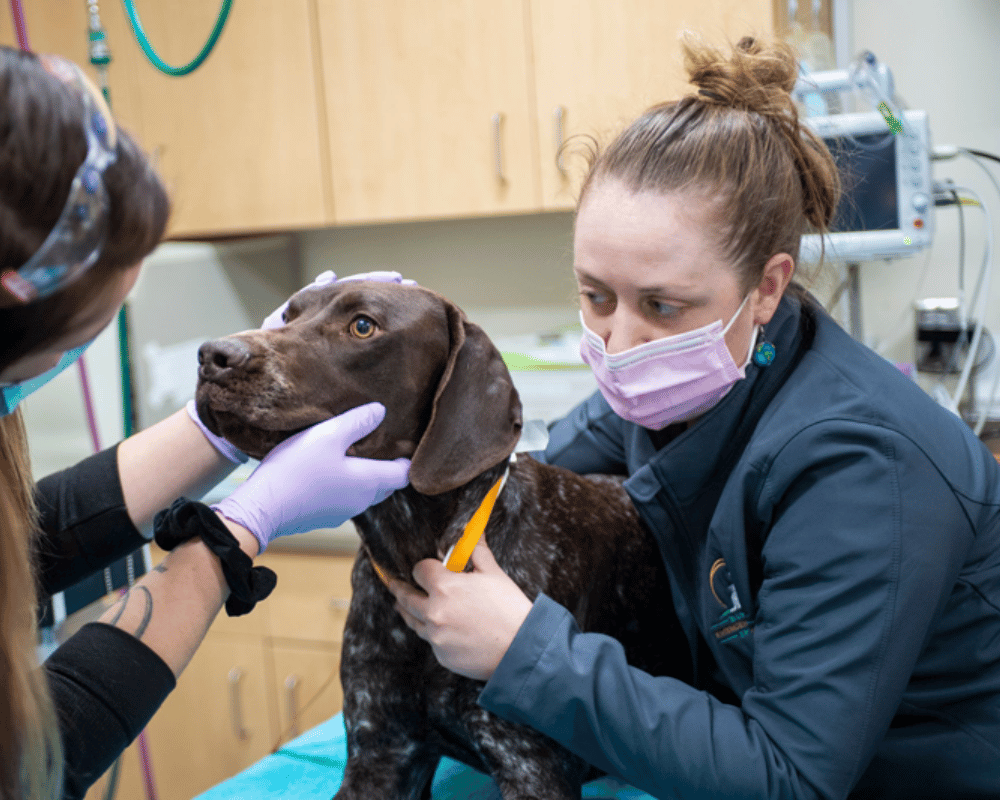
<point x="42" y="144"/>
<point x="737" y="143"/>
<point x="30" y="751"/>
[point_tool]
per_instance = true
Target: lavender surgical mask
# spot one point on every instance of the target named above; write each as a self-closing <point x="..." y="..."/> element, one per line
<point x="667" y="380"/>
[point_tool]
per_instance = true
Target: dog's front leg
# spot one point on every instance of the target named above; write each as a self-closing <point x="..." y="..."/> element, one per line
<point x="387" y="770"/>
<point x="525" y="764"/>
<point x="388" y="754"/>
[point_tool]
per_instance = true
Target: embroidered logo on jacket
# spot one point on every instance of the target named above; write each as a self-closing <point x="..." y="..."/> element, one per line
<point x="733" y="622"/>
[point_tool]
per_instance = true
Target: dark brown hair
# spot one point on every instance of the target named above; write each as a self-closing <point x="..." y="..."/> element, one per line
<point x="42" y="144"/>
<point x="737" y="144"/>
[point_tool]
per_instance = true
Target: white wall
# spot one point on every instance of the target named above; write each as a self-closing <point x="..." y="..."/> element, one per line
<point x="509" y="274"/>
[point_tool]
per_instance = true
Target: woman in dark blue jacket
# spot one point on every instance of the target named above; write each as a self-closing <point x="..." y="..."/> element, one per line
<point x="832" y="536"/>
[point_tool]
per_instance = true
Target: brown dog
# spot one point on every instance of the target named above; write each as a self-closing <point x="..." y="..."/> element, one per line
<point x="451" y="407"/>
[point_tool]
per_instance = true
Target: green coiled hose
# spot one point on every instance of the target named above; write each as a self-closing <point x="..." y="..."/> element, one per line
<point x="155" y="59"/>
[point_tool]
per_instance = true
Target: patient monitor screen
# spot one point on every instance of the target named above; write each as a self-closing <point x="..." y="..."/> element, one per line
<point x="867" y="164"/>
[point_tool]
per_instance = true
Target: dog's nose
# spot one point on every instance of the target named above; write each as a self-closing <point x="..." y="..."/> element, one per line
<point x="221" y="357"/>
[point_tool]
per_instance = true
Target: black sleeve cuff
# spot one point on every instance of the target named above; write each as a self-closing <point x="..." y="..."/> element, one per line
<point x="85" y="525"/>
<point x="106" y="686"/>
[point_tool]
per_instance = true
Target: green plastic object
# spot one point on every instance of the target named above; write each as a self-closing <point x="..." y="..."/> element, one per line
<point x="125" y="363"/>
<point x="522" y="362"/>
<point x="154" y="58"/>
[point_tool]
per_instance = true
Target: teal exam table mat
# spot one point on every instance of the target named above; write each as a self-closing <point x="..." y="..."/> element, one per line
<point x="311" y="767"/>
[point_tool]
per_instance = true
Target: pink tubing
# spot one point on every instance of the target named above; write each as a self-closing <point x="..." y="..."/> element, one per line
<point x="88" y="402"/>
<point x="147" y="767"/>
<point x="17" y="14"/>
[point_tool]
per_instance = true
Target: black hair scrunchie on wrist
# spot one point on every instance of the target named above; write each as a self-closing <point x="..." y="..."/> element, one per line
<point x="186" y="519"/>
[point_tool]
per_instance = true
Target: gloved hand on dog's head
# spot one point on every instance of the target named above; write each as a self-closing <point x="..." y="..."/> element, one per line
<point x="276" y="319"/>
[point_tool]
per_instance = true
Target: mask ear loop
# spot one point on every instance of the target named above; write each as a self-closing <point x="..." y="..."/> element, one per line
<point x="732" y="319"/>
<point x="763" y="353"/>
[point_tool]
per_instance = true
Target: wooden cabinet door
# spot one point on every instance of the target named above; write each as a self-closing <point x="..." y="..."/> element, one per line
<point x="306" y="615"/>
<point x="238" y="140"/>
<point x="305" y="686"/>
<point x="216" y="723"/>
<point x="428" y="106"/>
<point x="599" y="64"/>
<point x="54" y="26"/>
<point x="61" y="27"/>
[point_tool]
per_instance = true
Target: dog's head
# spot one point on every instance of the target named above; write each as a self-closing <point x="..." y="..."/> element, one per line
<point x="450" y="403"/>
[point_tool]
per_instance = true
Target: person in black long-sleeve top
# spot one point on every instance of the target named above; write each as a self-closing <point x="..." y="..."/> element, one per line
<point x="80" y="207"/>
<point x="105" y="683"/>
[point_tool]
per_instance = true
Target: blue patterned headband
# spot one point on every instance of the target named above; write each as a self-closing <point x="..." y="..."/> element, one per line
<point x="75" y="242"/>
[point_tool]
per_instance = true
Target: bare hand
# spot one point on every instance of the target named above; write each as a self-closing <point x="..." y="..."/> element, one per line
<point x="468" y="618"/>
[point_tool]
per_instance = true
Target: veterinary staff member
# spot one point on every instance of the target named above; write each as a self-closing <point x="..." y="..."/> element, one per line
<point x="832" y="537"/>
<point x="80" y="208"/>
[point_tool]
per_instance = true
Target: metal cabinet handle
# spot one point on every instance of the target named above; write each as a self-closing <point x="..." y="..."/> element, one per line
<point x="498" y="145"/>
<point x="291" y="700"/>
<point x="235" y="704"/>
<point x="560" y="115"/>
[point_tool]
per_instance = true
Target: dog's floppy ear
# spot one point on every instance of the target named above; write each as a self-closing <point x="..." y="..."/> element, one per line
<point x="476" y="415"/>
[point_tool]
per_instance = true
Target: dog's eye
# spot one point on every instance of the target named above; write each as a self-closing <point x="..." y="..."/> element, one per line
<point x="363" y="327"/>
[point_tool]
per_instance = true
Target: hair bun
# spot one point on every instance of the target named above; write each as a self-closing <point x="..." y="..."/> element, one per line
<point x="759" y="77"/>
<point x="756" y="77"/>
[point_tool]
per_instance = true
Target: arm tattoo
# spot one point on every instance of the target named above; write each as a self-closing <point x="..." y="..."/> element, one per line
<point x="147" y="614"/>
<point x="121" y="610"/>
<point x="161" y="567"/>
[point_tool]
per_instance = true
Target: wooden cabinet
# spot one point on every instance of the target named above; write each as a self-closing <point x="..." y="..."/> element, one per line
<point x="306" y="616"/>
<point x="319" y="112"/>
<point x="238" y="141"/>
<point x="59" y="26"/>
<point x="256" y="680"/>
<point x="307" y="681"/>
<point x="218" y="721"/>
<point x="428" y="107"/>
<point x="312" y="597"/>
<point x="597" y="65"/>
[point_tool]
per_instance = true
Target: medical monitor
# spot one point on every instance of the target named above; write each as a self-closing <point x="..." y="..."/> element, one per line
<point x="886" y="210"/>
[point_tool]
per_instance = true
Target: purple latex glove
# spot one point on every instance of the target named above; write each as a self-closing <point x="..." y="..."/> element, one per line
<point x="275" y="319"/>
<point x="225" y="448"/>
<point x="309" y="482"/>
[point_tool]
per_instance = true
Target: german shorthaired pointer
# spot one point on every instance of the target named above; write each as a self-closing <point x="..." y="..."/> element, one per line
<point x="451" y="407"/>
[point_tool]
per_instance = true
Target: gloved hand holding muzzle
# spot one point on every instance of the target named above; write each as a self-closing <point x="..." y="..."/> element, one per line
<point x="308" y="481"/>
